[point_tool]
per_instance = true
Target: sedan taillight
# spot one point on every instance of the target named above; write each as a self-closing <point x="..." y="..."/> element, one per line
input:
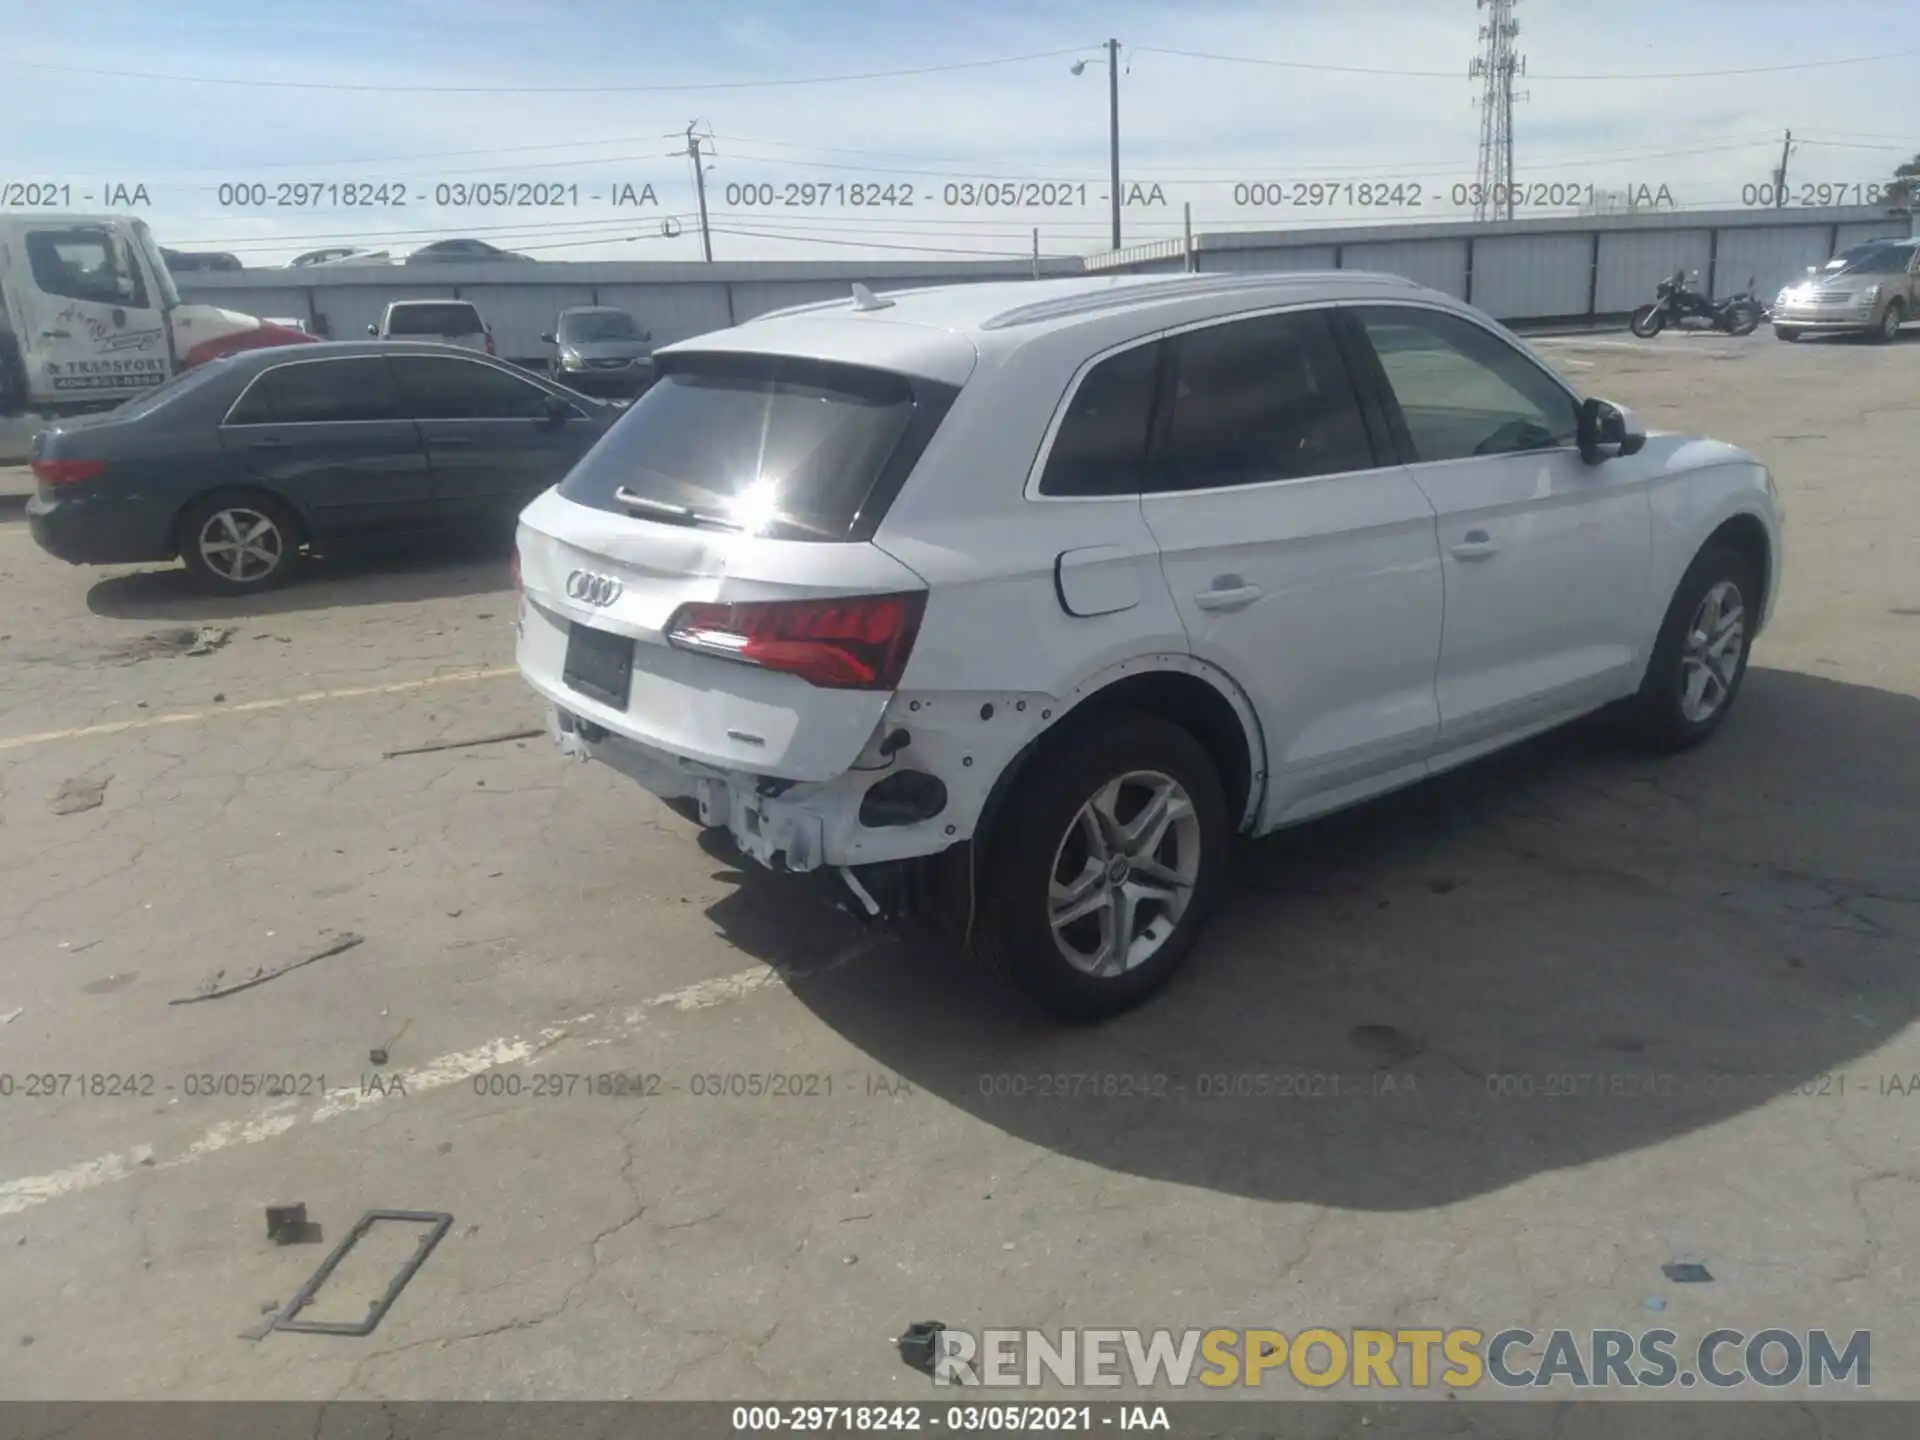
<point x="66" y="472"/>
<point x="854" y="642"/>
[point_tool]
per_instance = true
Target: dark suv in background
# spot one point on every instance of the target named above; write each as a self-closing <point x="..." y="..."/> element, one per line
<point x="600" y="349"/>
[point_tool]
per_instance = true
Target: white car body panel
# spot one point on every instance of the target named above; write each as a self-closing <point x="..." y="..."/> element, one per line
<point x="1371" y="657"/>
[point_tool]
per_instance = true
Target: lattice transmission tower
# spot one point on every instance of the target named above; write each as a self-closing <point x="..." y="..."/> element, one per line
<point x="1496" y="67"/>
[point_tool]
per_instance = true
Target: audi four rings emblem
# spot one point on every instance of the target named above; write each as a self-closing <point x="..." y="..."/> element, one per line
<point x="592" y="588"/>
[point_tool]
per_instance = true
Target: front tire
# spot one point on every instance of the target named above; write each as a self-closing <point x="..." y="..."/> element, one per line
<point x="1700" y="658"/>
<point x="1647" y="321"/>
<point x="1744" y="320"/>
<point x="1115" y="847"/>
<point x="1786" y="332"/>
<point x="238" y="542"/>
<point x="1888" y="330"/>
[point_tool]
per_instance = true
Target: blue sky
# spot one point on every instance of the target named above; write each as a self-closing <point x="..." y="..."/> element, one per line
<point x="435" y="72"/>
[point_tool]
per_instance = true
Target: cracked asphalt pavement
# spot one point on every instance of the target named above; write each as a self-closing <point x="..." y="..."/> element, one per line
<point x="1558" y="1020"/>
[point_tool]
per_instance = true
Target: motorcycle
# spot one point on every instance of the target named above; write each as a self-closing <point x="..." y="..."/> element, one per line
<point x="1686" y="309"/>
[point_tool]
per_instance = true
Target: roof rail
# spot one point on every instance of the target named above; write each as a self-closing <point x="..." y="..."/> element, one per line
<point x="1119" y="297"/>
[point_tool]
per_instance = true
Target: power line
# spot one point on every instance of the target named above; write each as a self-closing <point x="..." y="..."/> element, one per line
<point x="1455" y="74"/>
<point x="249" y="82"/>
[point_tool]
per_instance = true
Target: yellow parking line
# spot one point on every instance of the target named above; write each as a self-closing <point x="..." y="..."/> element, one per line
<point x="182" y="717"/>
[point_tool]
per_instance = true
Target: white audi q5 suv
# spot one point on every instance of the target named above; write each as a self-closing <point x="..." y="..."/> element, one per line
<point x="1066" y="582"/>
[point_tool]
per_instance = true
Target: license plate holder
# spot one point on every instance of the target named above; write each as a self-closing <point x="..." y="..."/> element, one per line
<point x="599" y="664"/>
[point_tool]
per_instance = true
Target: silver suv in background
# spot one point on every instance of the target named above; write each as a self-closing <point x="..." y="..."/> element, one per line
<point x="599" y="349"/>
<point x="451" y="322"/>
<point x="1870" y="289"/>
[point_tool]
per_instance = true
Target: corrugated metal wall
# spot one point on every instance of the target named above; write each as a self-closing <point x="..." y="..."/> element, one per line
<point x="1438" y="264"/>
<point x="1533" y="269"/>
<point x="1519" y="276"/>
<point x="1633" y="263"/>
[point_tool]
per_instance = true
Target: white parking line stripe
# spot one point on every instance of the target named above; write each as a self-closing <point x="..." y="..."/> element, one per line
<point x="284" y="1115"/>
<point x="250" y="707"/>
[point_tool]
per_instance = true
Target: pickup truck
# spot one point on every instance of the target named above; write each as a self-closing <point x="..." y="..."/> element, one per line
<point x="90" y="316"/>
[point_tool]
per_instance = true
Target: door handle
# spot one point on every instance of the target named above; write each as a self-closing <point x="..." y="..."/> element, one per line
<point x="56" y="334"/>
<point x="1236" y="598"/>
<point x="1475" y="545"/>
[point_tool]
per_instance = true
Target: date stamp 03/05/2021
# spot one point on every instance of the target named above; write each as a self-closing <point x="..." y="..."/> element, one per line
<point x="1369" y="195"/>
<point x="1502" y="1089"/>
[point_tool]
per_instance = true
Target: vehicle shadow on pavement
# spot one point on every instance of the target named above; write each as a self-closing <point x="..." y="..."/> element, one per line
<point x="1552" y="957"/>
<point x="375" y="574"/>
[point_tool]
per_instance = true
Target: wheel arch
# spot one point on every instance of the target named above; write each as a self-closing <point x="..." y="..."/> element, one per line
<point x="1745" y="535"/>
<point x="1199" y="697"/>
<point x="176" y="527"/>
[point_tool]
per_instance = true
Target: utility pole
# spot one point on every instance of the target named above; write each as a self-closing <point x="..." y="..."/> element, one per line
<point x="1780" y="175"/>
<point x="1113" y="132"/>
<point x="1036" y="252"/>
<point x="700" y="188"/>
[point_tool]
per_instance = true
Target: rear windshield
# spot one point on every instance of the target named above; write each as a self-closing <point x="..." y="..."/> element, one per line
<point x="434" y="320"/>
<point x="785" y="448"/>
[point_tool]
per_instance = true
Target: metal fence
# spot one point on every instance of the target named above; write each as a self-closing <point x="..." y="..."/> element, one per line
<point x="1560" y="268"/>
<point x="1563" y="268"/>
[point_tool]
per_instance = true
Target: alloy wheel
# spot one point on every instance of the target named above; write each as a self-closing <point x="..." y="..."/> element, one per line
<point x="242" y="546"/>
<point x="1710" y="655"/>
<point x="1124" y="873"/>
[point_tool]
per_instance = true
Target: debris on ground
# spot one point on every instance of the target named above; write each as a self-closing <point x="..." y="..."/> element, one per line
<point x="288" y="1225"/>
<point x="1686" y="1272"/>
<point x="11" y="1016"/>
<point x="218" y="985"/>
<point x="464" y="744"/>
<point x="917" y="1345"/>
<point x="438" y="1224"/>
<point x="209" y="638"/>
<point x="1388" y="1040"/>
<point x="79" y="793"/>
<point x="377" y="1056"/>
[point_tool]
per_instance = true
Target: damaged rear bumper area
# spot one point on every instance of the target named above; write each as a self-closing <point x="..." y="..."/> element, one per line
<point x="912" y="800"/>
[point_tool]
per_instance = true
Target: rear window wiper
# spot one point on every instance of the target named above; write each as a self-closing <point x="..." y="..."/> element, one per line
<point x="679" y="514"/>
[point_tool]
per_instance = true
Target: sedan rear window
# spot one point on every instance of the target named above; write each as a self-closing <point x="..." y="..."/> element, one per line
<point x="776" y="446"/>
<point x="434" y="320"/>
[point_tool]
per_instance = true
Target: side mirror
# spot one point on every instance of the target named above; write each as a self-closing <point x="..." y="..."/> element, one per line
<point x="547" y="339"/>
<point x="1607" y="430"/>
<point x="373" y="330"/>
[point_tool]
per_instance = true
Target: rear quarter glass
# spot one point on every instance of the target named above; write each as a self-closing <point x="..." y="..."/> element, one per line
<point x="777" y="446"/>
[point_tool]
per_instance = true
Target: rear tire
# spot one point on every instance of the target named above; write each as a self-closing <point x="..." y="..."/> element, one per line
<point x="1647" y="321"/>
<point x="1888" y="330"/>
<point x="1700" y="658"/>
<point x="1090" y="906"/>
<point x="238" y="542"/>
<point x="1786" y="332"/>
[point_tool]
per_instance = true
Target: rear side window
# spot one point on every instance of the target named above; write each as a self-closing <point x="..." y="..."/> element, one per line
<point x="436" y="320"/>
<point x="1262" y="399"/>
<point x="319" y="391"/>
<point x="441" y="387"/>
<point x="1101" y="447"/>
<point x="777" y="446"/>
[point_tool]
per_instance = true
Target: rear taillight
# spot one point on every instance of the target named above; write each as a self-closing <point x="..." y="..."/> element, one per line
<point x="66" y="472"/>
<point x="490" y="346"/>
<point x="853" y="642"/>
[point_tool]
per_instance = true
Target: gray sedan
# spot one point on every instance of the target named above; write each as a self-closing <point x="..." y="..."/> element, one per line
<point x="240" y="463"/>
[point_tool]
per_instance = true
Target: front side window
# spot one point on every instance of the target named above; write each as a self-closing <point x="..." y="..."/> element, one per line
<point x="1101" y="446"/>
<point x="317" y="391"/>
<point x="439" y="387"/>
<point x="86" y="262"/>
<point x="1462" y="390"/>
<point x="1256" y="400"/>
